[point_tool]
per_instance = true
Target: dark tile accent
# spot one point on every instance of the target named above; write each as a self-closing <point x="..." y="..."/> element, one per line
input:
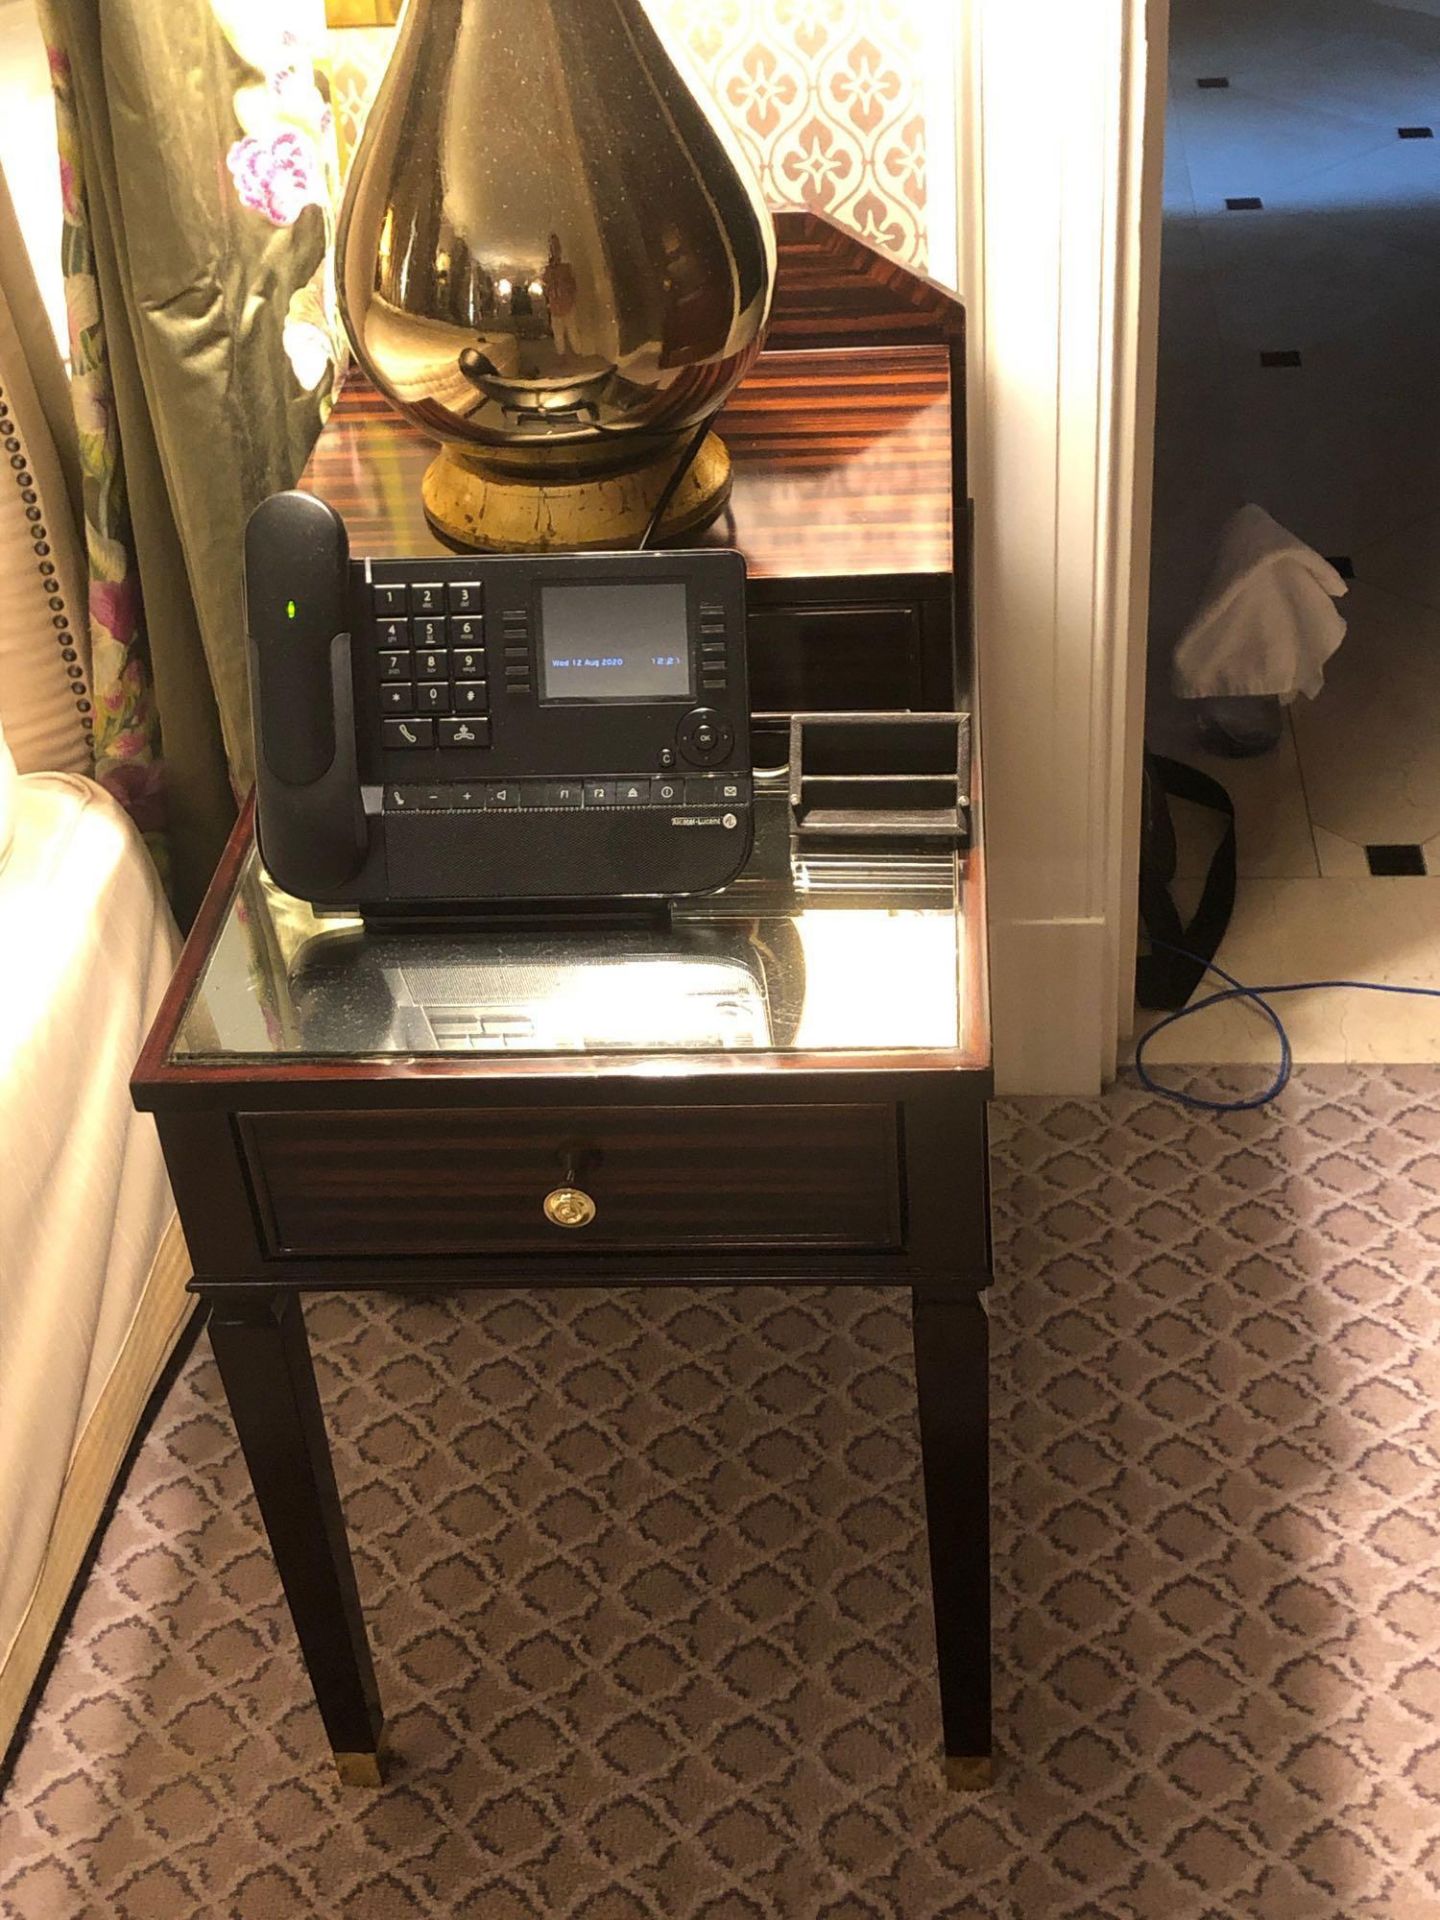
<point x="1245" y="203"/>
<point x="1416" y="133"/>
<point x="1284" y="357"/>
<point x="1390" y="860"/>
<point x="1213" y="80"/>
<point x="1342" y="563"/>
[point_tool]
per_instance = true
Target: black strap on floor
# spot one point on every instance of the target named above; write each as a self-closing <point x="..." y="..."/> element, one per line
<point x="1167" y="980"/>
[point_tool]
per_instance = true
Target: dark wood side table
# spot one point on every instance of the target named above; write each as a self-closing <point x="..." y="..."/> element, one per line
<point x="786" y="1082"/>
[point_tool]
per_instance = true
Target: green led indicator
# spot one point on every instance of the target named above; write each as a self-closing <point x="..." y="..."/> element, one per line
<point x="290" y="609"/>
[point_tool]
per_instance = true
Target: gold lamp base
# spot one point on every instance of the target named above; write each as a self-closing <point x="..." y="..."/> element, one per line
<point x="475" y="506"/>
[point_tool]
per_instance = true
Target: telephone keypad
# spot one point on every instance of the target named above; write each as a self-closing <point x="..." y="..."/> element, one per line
<point x="418" y="623"/>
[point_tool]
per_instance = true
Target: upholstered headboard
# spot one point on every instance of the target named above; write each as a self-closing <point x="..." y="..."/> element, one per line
<point x="45" y="700"/>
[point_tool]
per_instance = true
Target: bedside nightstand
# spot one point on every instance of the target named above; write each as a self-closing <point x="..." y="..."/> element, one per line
<point x="786" y="1082"/>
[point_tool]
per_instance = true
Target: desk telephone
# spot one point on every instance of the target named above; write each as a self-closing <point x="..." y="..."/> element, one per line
<point x="453" y="733"/>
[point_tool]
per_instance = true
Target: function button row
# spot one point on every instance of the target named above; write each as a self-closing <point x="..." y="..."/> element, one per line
<point x="408" y="736"/>
<point x="430" y="630"/>
<point x="394" y="598"/>
<point x="458" y="796"/>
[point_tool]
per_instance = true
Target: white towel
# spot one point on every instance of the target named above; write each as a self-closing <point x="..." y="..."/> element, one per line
<point x="1268" y="622"/>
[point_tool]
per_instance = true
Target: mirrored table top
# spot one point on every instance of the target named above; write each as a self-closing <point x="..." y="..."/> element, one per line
<point x="838" y="952"/>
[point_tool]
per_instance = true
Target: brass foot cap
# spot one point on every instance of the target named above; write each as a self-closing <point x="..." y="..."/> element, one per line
<point x="361" y="1769"/>
<point x="969" y="1773"/>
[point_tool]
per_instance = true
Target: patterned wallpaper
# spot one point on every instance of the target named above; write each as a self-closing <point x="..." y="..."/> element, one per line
<point x="827" y="96"/>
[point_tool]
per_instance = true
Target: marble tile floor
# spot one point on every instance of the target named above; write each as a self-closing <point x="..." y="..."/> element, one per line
<point x="1340" y="263"/>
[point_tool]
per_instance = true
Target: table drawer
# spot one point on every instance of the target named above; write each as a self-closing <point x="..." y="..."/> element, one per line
<point x="437" y="1181"/>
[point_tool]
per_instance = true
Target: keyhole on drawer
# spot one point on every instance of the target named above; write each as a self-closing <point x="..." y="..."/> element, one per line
<point x="576" y="1161"/>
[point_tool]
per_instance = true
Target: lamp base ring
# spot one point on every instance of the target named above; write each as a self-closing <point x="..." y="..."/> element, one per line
<point x="475" y="507"/>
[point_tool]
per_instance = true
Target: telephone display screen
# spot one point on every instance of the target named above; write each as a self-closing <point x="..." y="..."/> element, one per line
<point x="628" y="642"/>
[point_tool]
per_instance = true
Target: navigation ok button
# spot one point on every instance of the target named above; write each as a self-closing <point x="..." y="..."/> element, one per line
<point x="705" y="737"/>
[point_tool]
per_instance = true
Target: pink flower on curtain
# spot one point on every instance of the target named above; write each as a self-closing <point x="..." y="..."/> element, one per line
<point x="277" y="177"/>
<point x="113" y="604"/>
<point x="139" y="786"/>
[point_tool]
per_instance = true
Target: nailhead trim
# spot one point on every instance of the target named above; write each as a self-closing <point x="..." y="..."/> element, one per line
<point x="29" y="496"/>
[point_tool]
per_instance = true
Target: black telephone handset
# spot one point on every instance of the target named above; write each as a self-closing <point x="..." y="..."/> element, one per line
<point x="448" y="734"/>
<point x="310" y="820"/>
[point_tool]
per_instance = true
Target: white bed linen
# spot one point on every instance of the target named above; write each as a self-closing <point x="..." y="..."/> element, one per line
<point x="87" y="946"/>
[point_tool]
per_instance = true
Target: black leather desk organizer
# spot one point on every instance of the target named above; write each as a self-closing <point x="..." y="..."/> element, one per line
<point x="881" y="778"/>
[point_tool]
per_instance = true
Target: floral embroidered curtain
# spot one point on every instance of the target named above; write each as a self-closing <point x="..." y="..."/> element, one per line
<point x="198" y="171"/>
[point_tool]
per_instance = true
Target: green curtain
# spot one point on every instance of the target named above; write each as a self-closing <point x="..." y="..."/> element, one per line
<point x="197" y="160"/>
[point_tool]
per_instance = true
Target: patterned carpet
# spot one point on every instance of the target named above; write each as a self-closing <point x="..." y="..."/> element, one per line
<point x="646" y="1580"/>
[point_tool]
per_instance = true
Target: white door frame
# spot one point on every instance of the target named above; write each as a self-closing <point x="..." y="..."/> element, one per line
<point x="1061" y="113"/>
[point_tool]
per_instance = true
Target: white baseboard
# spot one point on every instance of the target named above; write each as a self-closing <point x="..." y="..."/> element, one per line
<point x="1049" y="985"/>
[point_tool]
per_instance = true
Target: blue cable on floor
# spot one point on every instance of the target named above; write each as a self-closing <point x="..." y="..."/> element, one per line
<point x="1237" y="990"/>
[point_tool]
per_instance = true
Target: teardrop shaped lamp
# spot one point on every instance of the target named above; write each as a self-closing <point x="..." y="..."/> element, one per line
<point x="551" y="260"/>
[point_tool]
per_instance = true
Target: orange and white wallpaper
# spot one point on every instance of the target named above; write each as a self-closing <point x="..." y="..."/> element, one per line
<point x="828" y="97"/>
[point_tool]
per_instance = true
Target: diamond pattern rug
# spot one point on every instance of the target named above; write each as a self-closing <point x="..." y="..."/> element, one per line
<point x="645" y="1576"/>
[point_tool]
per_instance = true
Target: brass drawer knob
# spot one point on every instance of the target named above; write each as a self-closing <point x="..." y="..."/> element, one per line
<point x="569" y="1207"/>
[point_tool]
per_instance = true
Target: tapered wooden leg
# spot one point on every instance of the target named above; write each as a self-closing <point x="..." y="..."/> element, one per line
<point x="951" y="1375"/>
<point x="263" y="1354"/>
